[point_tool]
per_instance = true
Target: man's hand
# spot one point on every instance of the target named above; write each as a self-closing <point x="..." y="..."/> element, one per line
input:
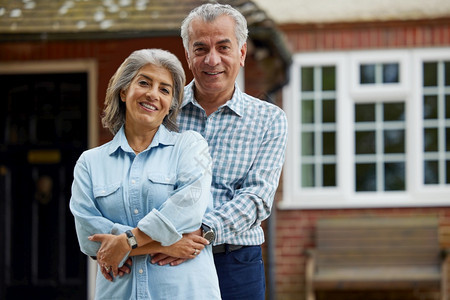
<point x="163" y="259"/>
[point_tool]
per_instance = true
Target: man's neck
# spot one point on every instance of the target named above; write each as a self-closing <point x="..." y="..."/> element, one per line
<point x="210" y="102"/>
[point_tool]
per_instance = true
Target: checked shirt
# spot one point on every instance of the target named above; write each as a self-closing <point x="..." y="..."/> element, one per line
<point x="247" y="141"/>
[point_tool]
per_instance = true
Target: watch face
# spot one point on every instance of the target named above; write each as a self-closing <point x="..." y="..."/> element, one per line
<point x="132" y="242"/>
<point x="209" y="235"/>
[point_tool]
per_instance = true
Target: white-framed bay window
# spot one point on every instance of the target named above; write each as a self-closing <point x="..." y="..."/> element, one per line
<point x="368" y="129"/>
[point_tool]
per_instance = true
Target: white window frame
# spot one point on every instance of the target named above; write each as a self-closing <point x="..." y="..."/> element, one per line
<point x="348" y="92"/>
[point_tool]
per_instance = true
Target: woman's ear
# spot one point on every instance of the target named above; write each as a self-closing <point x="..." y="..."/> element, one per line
<point x="123" y="95"/>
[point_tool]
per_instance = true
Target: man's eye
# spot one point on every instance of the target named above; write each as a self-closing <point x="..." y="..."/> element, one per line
<point x="199" y="50"/>
<point x="225" y="48"/>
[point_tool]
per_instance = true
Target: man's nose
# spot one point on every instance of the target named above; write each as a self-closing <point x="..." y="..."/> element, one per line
<point x="212" y="58"/>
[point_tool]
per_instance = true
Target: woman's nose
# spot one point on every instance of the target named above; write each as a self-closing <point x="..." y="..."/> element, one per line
<point x="152" y="93"/>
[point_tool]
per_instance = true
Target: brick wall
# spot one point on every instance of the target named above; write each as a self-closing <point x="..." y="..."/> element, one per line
<point x="109" y="54"/>
<point x="294" y="228"/>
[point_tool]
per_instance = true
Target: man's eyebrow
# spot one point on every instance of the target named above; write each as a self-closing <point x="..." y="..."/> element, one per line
<point x="224" y="41"/>
<point x="196" y="44"/>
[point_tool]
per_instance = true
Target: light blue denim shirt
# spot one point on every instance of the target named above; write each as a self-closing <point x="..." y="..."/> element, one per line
<point x="164" y="191"/>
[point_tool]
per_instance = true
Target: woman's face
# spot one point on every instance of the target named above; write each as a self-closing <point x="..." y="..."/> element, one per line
<point x="149" y="97"/>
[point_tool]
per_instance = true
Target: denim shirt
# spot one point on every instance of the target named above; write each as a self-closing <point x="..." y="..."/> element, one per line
<point x="164" y="191"/>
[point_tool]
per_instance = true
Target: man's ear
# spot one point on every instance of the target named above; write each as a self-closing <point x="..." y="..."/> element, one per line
<point x="243" y="52"/>
<point x="186" y="54"/>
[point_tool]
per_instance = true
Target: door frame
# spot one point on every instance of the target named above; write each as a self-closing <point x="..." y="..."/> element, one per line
<point x="90" y="67"/>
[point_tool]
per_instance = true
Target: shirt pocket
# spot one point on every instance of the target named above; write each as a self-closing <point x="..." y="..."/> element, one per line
<point x="160" y="188"/>
<point x="109" y="199"/>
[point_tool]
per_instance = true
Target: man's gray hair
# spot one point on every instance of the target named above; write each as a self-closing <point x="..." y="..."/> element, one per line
<point x="210" y="12"/>
<point x="115" y="110"/>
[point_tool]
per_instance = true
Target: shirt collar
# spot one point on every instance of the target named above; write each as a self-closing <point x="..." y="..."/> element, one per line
<point x="162" y="137"/>
<point x="235" y="104"/>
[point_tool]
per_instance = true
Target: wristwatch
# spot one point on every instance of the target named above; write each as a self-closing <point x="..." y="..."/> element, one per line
<point x="131" y="239"/>
<point x="208" y="233"/>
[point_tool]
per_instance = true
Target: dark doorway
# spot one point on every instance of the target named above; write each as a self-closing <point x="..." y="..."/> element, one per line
<point x="44" y="129"/>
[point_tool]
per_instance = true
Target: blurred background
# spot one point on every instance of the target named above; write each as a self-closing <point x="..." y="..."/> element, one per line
<point x="365" y="85"/>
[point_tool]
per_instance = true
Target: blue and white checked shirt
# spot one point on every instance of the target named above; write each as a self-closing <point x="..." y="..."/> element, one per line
<point x="247" y="141"/>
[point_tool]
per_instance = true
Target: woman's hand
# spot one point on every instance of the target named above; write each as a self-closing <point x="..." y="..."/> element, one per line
<point x="125" y="269"/>
<point x="188" y="247"/>
<point x="111" y="252"/>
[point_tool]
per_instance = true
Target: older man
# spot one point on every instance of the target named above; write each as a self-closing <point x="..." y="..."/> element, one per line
<point x="247" y="140"/>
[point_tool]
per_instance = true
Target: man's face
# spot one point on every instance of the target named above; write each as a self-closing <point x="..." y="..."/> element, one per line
<point x="214" y="56"/>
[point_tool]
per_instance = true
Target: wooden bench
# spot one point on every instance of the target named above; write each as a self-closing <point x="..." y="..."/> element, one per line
<point x="376" y="253"/>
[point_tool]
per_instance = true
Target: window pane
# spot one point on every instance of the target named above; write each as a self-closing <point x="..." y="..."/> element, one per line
<point x="447" y="139"/>
<point x="364" y="112"/>
<point x="365" y="177"/>
<point x="329" y="143"/>
<point x="307" y="143"/>
<point x="430" y="107"/>
<point x="308" y="111"/>
<point x="329" y="174"/>
<point x="390" y="73"/>
<point x="367" y="74"/>
<point x="394" y="112"/>
<point x="394" y="176"/>
<point x="328" y="78"/>
<point x="394" y="141"/>
<point x="431" y="172"/>
<point x="447" y="168"/>
<point x="430" y="74"/>
<point x="447" y="106"/>
<point x="365" y="142"/>
<point x="307" y="175"/>
<point x="430" y="142"/>
<point x="307" y="79"/>
<point x="328" y="111"/>
<point x="447" y="73"/>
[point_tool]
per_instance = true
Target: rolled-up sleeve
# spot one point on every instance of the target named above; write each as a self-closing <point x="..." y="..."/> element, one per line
<point x="184" y="209"/>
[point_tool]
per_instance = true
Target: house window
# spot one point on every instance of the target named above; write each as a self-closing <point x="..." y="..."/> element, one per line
<point x="380" y="147"/>
<point x="368" y="129"/>
<point x="382" y="73"/>
<point x="436" y="122"/>
<point x="318" y="126"/>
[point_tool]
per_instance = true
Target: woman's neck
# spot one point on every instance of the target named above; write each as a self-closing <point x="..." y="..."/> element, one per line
<point x="139" y="139"/>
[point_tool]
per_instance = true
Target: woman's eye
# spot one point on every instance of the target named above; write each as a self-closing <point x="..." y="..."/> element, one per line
<point x="143" y="83"/>
<point x="165" y="91"/>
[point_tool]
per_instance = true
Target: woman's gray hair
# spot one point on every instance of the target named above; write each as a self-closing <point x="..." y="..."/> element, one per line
<point x="210" y="12"/>
<point x="114" y="112"/>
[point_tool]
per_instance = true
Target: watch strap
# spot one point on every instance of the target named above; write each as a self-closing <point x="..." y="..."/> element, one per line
<point x="131" y="239"/>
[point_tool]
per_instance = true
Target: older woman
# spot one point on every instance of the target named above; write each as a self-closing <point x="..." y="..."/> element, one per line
<point x="144" y="190"/>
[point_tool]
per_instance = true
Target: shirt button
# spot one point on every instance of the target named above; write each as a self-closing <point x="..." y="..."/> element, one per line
<point x="133" y="181"/>
<point x="141" y="271"/>
<point x="136" y="211"/>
